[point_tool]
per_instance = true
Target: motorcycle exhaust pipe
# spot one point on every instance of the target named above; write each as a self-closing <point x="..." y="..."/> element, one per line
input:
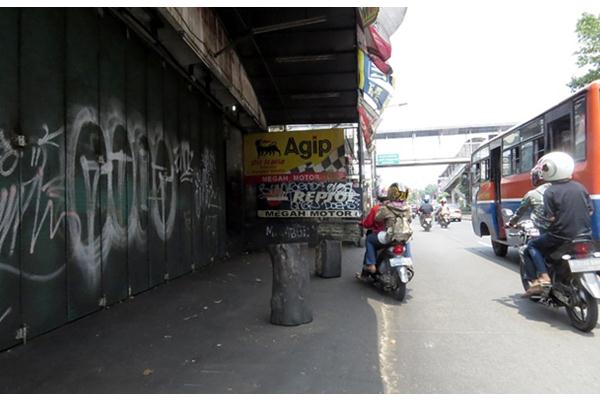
<point x="404" y="274"/>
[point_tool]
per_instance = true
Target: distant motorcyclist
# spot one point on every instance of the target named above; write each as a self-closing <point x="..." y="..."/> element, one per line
<point x="569" y="208"/>
<point x="425" y="208"/>
<point x="443" y="211"/>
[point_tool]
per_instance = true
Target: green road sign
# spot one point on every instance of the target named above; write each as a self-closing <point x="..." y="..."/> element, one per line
<point x="383" y="159"/>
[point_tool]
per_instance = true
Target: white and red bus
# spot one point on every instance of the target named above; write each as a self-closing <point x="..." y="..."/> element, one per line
<point x="500" y="167"/>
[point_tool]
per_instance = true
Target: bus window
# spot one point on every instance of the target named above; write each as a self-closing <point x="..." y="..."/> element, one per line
<point x="532" y="129"/>
<point x="475" y="170"/>
<point x="560" y="130"/>
<point x="506" y="164"/>
<point x="538" y="149"/>
<point x="527" y="156"/>
<point x="516" y="159"/>
<point x="485" y="170"/>
<point x="579" y="116"/>
<point x="511" y="139"/>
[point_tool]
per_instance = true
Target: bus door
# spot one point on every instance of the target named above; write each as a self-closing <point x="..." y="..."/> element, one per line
<point x="495" y="177"/>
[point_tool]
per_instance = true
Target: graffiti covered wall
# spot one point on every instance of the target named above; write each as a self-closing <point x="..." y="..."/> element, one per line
<point x="119" y="184"/>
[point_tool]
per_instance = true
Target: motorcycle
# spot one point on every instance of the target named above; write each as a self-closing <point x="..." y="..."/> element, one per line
<point x="573" y="270"/>
<point x="394" y="270"/>
<point x="426" y="222"/>
<point x="444" y="220"/>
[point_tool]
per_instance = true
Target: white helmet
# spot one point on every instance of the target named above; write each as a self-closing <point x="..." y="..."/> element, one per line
<point x="556" y="166"/>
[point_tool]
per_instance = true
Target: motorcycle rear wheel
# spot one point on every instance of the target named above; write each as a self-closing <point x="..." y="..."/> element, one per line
<point x="584" y="316"/>
<point x="400" y="291"/>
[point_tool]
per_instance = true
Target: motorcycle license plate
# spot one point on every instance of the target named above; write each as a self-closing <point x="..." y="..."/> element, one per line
<point x="533" y="232"/>
<point x="399" y="261"/>
<point x="585" y="265"/>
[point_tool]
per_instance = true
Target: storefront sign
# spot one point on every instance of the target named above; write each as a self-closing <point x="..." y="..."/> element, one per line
<point x="294" y="153"/>
<point x="309" y="200"/>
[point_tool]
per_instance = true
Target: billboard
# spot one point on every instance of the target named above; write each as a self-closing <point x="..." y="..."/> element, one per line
<point x="308" y="200"/>
<point x="317" y="155"/>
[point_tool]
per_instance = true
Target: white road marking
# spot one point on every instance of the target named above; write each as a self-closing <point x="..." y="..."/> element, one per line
<point x="484" y="244"/>
<point x="387" y="348"/>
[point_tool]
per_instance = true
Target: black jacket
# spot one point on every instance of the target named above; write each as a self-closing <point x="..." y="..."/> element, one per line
<point x="569" y="208"/>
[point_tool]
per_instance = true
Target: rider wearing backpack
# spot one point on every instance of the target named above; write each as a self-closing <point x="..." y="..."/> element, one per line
<point x="396" y="215"/>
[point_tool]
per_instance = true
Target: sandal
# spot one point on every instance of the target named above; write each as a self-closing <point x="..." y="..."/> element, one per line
<point x="361" y="277"/>
<point x="533" y="291"/>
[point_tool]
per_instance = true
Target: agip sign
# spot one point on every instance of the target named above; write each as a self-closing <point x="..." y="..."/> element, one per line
<point x="317" y="155"/>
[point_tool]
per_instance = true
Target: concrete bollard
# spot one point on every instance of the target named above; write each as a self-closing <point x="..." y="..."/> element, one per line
<point x="291" y="285"/>
<point x="328" y="259"/>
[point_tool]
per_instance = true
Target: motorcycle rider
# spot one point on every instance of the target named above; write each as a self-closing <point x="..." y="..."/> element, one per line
<point x="425" y="208"/>
<point x="369" y="221"/>
<point x="443" y="211"/>
<point x="533" y="201"/>
<point x="371" y="225"/>
<point x="396" y="216"/>
<point x="569" y="208"/>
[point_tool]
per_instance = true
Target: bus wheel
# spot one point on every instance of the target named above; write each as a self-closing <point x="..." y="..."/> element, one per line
<point x="499" y="249"/>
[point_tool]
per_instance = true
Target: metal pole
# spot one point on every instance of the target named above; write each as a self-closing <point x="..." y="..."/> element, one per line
<point x="360" y="166"/>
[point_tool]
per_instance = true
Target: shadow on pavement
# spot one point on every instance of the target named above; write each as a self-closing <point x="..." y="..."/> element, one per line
<point x="209" y="332"/>
<point x="555" y="317"/>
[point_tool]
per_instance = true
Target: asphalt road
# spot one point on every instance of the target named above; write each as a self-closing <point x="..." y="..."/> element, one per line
<point x="462" y="328"/>
<point x="465" y="329"/>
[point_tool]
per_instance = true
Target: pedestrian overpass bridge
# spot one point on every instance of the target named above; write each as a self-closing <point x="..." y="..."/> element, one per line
<point x="451" y="146"/>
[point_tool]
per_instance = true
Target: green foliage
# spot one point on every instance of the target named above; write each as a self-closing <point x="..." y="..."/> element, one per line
<point x="443" y="195"/>
<point x="430" y="189"/>
<point x="588" y="55"/>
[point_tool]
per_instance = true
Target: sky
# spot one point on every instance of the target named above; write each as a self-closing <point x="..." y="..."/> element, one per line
<point x="460" y="63"/>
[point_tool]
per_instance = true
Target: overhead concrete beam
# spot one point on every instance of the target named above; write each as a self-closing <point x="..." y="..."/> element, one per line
<point x="203" y="32"/>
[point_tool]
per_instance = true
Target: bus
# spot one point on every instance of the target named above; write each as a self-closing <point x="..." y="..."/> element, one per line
<point x="500" y="167"/>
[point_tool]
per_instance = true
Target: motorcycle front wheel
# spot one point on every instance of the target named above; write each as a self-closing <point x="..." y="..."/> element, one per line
<point x="584" y="315"/>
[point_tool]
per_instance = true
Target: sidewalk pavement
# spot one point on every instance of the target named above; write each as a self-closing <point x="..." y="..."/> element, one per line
<point x="209" y="332"/>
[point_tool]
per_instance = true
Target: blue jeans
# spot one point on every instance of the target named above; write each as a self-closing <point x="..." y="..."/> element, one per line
<point x="373" y="244"/>
<point x="541" y="246"/>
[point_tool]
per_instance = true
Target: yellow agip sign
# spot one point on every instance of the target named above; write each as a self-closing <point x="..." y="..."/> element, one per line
<point x="292" y="152"/>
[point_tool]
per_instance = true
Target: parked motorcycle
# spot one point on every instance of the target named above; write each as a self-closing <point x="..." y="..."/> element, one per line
<point x="394" y="271"/>
<point x="426" y="222"/>
<point x="573" y="269"/>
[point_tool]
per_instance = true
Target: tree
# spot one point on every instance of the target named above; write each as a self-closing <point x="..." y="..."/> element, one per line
<point x="430" y="189"/>
<point x="443" y="195"/>
<point x="588" y="55"/>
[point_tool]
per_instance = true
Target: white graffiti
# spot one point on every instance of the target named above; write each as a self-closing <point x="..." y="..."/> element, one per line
<point x="4" y="315"/>
<point x="288" y="232"/>
<point x="121" y="178"/>
<point x="30" y="194"/>
<point x="8" y="156"/>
